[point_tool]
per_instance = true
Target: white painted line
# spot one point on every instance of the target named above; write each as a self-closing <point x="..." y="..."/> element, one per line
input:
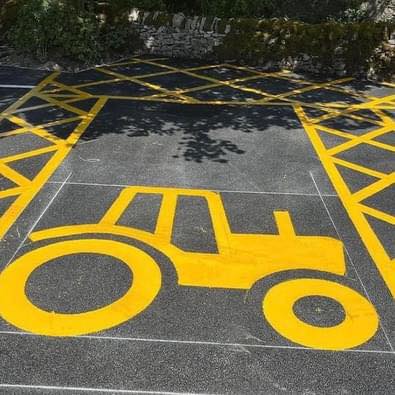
<point x="87" y="389"/>
<point x="38" y="220"/>
<point x="197" y="343"/>
<point x="18" y="86"/>
<point x="351" y="261"/>
<point x="94" y="184"/>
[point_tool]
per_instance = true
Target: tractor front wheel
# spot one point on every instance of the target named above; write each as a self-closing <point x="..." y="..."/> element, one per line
<point x="359" y="325"/>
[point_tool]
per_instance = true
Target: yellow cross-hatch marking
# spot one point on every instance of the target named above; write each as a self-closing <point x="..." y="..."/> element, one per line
<point x="355" y="106"/>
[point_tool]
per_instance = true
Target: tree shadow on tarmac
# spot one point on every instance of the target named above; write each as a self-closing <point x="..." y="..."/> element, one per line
<point x="207" y="132"/>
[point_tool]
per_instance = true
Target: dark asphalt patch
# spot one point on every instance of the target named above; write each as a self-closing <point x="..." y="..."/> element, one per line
<point x="326" y="96"/>
<point x="139" y="69"/>
<point x="224" y="73"/>
<point x="224" y="93"/>
<point x="367" y="155"/>
<point x="176" y="81"/>
<point x="191" y="368"/>
<point x="272" y="85"/>
<point x="20" y="76"/>
<point x="216" y="150"/>
<point x="30" y="167"/>
<point x="8" y="96"/>
<point x="121" y="88"/>
<point x="355" y="127"/>
<point x="84" y="77"/>
<point x="78" y="284"/>
<point x="17" y="144"/>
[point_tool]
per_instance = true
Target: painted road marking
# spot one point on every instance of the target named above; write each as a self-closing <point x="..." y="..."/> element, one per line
<point x="350" y="259"/>
<point x="205" y="343"/>
<point x="27" y="189"/>
<point x="357" y="211"/>
<point x="353" y="201"/>
<point x="38" y="220"/>
<point x="95" y="184"/>
<point x="18" y="86"/>
<point x="60" y="95"/>
<point x="241" y="261"/>
<point x="86" y="389"/>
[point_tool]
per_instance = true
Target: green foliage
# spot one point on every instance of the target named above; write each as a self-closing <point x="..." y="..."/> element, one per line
<point x="8" y="13"/>
<point x="327" y="43"/>
<point x="306" y="10"/>
<point x="69" y="29"/>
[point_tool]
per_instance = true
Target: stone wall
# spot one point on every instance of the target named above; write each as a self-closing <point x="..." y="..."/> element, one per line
<point x="177" y="35"/>
<point x="379" y="10"/>
<point x="199" y="37"/>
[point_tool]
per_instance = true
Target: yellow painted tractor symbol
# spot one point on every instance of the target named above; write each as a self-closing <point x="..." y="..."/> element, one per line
<point x="241" y="261"/>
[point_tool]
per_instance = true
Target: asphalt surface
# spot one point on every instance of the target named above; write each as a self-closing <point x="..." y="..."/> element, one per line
<point x="261" y="153"/>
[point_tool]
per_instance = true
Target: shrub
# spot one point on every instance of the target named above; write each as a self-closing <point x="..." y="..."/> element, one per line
<point x="8" y="13"/>
<point x="327" y="43"/>
<point x="311" y="11"/>
<point x="69" y="29"/>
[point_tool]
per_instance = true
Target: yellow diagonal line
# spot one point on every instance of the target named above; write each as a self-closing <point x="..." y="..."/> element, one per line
<point x="86" y="120"/>
<point x="359" y="168"/>
<point x="29" y="154"/>
<point x="373" y="103"/>
<point x="374" y="188"/>
<point x="37" y="130"/>
<point x="12" y="175"/>
<point x="213" y="85"/>
<point x="313" y="87"/>
<point x="139" y="76"/>
<point x="355" y="140"/>
<point x="284" y="74"/>
<point x="48" y="105"/>
<point x="386" y="118"/>
<point x="383" y="146"/>
<point x="13" y="132"/>
<point x="42" y="126"/>
<point x="11" y="192"/>
<point x="364" y="139"/>
<point x="378" y="214"/>
<point x="146" y="84"/>
<point x="199" y="77"/>
<point x="132" y="61"/>
<point x="59" y="122"/>
<point x="335" y="132"/>
<point x="28" y="96"/>
<point x="348" y="114"/>
<point x="179" y="91"/>
<point x="268" y="97"/>
<point x="96" y="83"/>
<point x="63" y="104"/>
<point x="63" y="87"/>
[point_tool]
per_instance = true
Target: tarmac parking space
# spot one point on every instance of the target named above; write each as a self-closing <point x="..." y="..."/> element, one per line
<point x="190" y="228"/>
